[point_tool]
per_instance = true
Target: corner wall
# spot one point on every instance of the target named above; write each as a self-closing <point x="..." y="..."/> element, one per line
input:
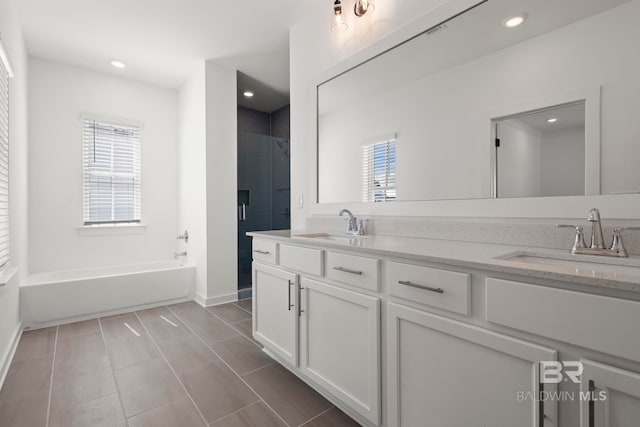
<point x="192" y="172"/>
<point x="18" y="152"/>
<point x="221" y="155"/>
<point x="207" y="180"/>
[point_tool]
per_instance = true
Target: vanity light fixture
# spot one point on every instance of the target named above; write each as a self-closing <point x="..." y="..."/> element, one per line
<point x="514" y="21"/>
<point x="248" y="94"/>
<point x="362" y="7"/>
<point x="337" y="20"/>
<point x="117" y="63"/>
<point x="552" y="120"/>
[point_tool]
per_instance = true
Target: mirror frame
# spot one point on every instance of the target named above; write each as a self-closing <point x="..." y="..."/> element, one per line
<point x="625" y="206"/>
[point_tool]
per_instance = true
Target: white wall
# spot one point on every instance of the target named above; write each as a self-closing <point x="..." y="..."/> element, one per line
<point x="562" y="160"/>
<point x="208" y="180"/>
<point x="14" y="45"/>
<point x="314" y="49"/>
<point x="58" y="95"/>
<point x="518" y="160"/>
<point x="192" y="205"/>
<point x="222" y="178"/>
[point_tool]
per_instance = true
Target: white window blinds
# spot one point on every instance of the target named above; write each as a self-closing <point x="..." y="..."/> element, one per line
<point x="111" y="172"/>
<point x="5" y="73"/>
<point x="379" y="171"/>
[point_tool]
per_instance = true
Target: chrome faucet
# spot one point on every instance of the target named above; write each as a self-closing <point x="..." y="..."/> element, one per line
<point x="354" y="226"/>
<point x="179" y="254"/>
<point x="597" y="246"/>
<point x="597" y="240"/>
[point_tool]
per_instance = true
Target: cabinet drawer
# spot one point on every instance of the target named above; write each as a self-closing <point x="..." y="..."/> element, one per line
<point x="264" y="250"/>
<point x="301" y="259"/>
<point x="353" y="270"/>
<point x="443" y="289"/>
<point x="606" y="324"/>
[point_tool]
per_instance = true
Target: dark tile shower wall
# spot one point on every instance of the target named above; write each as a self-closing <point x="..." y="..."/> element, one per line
<point x="263" y="171"/>
<point x="281" y="167"/>
<point x="254" y="121"/>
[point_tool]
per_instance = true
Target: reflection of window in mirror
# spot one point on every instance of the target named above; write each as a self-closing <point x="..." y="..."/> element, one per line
<point x="541" y="152"/>
<point x="379" y="171"/>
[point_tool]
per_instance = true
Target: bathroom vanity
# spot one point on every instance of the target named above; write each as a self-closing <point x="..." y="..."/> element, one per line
<point x="400" y="331"/>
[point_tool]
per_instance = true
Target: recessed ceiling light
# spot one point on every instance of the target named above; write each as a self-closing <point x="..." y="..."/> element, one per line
<point x="248" y="94"/>
<point x="117" y="63"/>
<point x="514" y="21"/>
<point x="552" y="120"/>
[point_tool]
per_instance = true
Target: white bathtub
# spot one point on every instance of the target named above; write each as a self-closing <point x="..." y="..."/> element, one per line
<point x="64" y="296"/>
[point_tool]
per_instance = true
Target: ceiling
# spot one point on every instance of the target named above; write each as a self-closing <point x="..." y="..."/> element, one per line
<point x="567" y="117"/>
<point x="163" y="42"/>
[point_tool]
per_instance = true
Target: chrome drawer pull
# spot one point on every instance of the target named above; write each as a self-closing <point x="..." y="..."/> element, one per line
<point x="261" y="252"/>
<point x="426" y="288"/>
<point x="346" y="270"/>
<point x="289" y="292"/>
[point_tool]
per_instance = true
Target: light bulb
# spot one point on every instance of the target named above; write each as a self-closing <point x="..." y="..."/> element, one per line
<point x="362" y="7"/>
<point x="514" y="21"/>
<point x="117" y="63"/>
<point x="337" y="20"/>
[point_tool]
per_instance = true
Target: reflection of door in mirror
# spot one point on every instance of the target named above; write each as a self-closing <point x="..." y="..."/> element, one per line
<point x="541" y="152"/>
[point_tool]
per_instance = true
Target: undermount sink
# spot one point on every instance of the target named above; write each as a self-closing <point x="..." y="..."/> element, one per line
<point x="589" y="264"/>
<point x="334" y="237"/>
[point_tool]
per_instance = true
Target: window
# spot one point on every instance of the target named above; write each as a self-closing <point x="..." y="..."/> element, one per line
<point x="379" y="171"/>
<point x="5" y="74"/>
<point x="111" y="172"/>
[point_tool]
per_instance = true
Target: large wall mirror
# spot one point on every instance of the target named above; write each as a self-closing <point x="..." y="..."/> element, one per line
<point x="475" y="109"/>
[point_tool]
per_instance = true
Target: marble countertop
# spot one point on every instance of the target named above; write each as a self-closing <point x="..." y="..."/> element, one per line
<point x="586" y="270"/>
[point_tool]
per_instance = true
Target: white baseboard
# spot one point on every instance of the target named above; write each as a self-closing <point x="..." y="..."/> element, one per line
<point x="217" y="300"/>
<point x="5" y="362"/>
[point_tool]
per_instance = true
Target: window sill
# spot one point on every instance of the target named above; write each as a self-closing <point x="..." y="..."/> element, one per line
<point x="6" y="275"/>
<point x="111" y="229"/>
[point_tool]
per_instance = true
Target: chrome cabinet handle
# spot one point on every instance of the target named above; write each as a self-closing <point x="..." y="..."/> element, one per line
<point x="426" y="288"/>
<point x="289" y="305"/>
<point x="346" y="270"/>
<point x="261" y="252"/>
<point x="300" y="310"/>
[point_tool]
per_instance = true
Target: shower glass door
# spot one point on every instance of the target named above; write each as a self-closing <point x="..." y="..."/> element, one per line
<point x="263" y="194"/>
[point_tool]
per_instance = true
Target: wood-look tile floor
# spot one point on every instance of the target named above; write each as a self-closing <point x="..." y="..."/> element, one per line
<point x="174" y="366"/>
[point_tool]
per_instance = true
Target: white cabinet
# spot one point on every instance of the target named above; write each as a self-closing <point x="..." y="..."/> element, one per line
<point x="614" y="393"/>
<point x="340" y="345"/>
<point x="442" y="372"/>
<point x="275" y="311"/>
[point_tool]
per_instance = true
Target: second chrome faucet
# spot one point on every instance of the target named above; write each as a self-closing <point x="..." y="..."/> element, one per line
<point x="597" y="246"/>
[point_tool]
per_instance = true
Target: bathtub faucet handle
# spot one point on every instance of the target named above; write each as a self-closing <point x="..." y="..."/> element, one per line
<point x="184" y="236"/>
<point x="179" y="254"/>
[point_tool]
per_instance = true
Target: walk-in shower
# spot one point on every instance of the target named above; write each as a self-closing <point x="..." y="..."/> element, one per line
<point x="263" y="185"/>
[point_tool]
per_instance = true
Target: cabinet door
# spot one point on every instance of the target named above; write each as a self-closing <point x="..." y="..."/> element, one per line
<point x="341" y="345"/>
<point x="275" y="318"/>
<point x="614" y="396"/>
<point x="447" y="373"/>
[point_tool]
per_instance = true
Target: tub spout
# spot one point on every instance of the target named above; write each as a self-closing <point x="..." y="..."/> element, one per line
<point x="179" y="254"/>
